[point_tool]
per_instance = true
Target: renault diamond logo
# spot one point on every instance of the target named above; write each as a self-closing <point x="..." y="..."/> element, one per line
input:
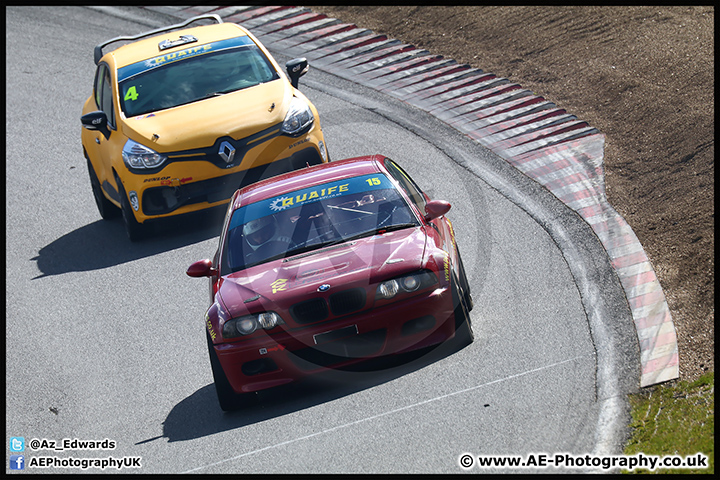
<point x="227" y="152"/>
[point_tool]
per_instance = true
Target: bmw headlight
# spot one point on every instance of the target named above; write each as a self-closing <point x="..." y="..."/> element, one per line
<point x="136" y="155"/>
<point x="298" y="119"/>
<point x="269" y="320"/>
<point x="406" y="283"/>
<point x="410" y="283"/>
<point x="388" y="289"/>
<point x="248" y="324"/>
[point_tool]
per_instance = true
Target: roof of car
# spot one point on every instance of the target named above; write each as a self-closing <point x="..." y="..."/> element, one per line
<point x="148" y="47"/>
<point x="307" y="177"/>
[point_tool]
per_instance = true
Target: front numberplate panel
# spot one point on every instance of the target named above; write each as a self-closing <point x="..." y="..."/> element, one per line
<point x="321" y="338"/>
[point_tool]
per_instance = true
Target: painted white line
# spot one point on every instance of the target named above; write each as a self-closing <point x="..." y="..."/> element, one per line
<point x="384" y="414"/>
<point x="624" y="250"/>
<point x="642" y="289"/>
<point x="583" y="203"/>
<point x="650" y="310"/>
<point x="633" y="270"/>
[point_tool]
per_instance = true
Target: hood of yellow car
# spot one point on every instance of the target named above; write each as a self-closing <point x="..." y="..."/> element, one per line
<point x="198" y="124"/>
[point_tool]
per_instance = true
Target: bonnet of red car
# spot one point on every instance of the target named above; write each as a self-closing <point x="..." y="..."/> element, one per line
<point x="358" y="263"/>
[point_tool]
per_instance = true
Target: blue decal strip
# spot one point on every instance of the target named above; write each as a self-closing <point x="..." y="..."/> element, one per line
<point x="135" y="68"/>
<point x="348" y="186"/>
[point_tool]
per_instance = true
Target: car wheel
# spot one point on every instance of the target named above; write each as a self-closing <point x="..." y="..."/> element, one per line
<point x="106" y="208"/>
<point x="463" y="326"/>
<point x="464" y="282"/>
<point x="135" y="230"/>
<point x="229" y="400"/>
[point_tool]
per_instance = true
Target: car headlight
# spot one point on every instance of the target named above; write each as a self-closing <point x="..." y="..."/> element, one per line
<point x="248" y="324"/>
<point x="269" y="320"/>
<point x="323" y="151"/>
<point x="410" y="283"/>
<point x="407" y="283"/>
<point x="136" y="155"/>
<point x="388" y="289"/>
<point x="299" y="118"/>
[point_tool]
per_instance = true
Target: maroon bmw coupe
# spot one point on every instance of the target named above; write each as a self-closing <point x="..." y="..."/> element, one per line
<point x="327" y="266"/>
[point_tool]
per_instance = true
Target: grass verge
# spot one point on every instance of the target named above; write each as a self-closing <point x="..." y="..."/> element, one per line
<point x="675" y="419"/>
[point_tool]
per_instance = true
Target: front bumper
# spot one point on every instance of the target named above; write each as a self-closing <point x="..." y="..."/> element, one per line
<point x="166" y="199"/>
<point x="193" y="180"/>
<point x="273" y="359"/>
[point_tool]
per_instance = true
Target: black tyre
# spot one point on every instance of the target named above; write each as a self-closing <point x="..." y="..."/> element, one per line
<point x="107" y="209"/>
<point x="229" y="400"/>
<point x="465" y="285"/>
<point x="135" y="230"/>
<point x="464" y="334"/>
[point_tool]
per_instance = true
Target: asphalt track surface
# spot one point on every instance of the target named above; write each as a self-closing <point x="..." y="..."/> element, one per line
<point x="105" y="338"/>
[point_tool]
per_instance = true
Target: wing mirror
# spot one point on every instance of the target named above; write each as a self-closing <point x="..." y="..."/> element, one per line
<point x="201" y="268"/>
<point x="296" y="68"/>
<point x="435" y="209"/>
<point x="96" y="120"/>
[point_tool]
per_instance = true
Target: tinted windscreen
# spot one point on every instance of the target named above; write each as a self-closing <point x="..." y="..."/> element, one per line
<point x="192" y="74"/>
<point x="313" y="218"/>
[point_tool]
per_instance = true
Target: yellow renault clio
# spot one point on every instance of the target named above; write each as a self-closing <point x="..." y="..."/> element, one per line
<point x="177" y="122"/>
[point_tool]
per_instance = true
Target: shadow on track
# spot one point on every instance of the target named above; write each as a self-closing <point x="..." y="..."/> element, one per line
<point x="200" y="415"/>
<point x="104" y="244"/>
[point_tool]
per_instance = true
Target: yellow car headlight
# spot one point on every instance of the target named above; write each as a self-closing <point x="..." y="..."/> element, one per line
<point x="136" y="155"/>
<point x="298" y="119"/>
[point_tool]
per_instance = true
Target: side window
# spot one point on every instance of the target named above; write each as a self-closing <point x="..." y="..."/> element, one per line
<point x="412" y="190"/>
<point x="107" y="104"/>
<point x="97" y="88"/>
<point x="103" y="93"/>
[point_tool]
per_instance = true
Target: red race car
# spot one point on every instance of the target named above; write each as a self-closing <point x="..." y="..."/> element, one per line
<point x="327" y="266"/>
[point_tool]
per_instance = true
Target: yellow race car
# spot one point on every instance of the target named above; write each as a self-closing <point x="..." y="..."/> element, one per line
<point x="177" y="122"/>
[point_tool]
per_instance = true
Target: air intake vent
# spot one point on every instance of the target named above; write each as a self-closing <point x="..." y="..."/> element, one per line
<point x="309" y="311"/>
<point x="347" y="301"/>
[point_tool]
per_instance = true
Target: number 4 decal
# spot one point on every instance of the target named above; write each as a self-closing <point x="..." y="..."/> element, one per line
<point x="131" y="93"/>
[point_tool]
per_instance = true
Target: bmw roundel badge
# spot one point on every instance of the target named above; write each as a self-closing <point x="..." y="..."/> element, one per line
<point x="323" y="288"/>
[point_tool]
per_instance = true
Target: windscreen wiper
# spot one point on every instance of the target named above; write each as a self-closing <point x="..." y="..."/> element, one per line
<point x="376" y="231"/>
<point x="219" y="93"/>
<point x="349" y="209"/>
<point x="315" y="248"/>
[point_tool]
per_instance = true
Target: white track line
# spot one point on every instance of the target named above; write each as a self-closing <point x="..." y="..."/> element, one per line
<point x="407" y="407"/>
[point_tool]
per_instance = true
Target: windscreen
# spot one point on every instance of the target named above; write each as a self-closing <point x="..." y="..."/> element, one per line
<point x="313" y="218"/>
<point x="192" y="74"/>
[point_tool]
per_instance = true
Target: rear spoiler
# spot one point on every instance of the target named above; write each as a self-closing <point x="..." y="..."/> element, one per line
<point x="98" y="52"/>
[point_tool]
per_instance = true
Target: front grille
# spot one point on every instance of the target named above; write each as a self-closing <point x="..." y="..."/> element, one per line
<point x="316" y="309"/>
<point x="211" y="153"/>
<point x="309" y="311"/>
<point x="347" y="301"/>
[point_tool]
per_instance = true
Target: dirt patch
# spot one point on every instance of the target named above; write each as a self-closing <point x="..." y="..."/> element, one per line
<point x="642" y="75"/>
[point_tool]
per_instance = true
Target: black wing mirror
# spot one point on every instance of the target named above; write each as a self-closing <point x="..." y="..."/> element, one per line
<point x="296" y="68"/>
<point x="96" y="120"/>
